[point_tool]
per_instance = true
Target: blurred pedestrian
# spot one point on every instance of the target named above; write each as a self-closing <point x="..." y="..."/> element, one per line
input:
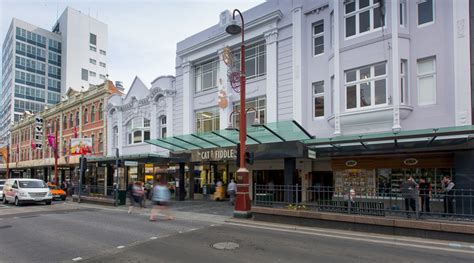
<point x="232" y="189"/>
<point x="448" y="190"/>
<point x="425" y="194"/>
<point x="409" y="193"/>
<point x="161" y="196"/>
<point x="137" y="193"/>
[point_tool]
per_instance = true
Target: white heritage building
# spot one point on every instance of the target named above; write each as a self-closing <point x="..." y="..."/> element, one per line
<point x="143" y="113"/>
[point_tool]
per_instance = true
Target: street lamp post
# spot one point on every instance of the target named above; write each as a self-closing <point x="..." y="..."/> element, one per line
<point x="54" y="146"/>
<point x="242" y="204"/>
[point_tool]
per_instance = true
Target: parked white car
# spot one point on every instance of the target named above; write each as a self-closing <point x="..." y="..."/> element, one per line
<point x="20" y="191"/>
<point x="2" y="182"/>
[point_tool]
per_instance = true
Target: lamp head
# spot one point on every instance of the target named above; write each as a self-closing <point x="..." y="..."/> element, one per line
<point x="233" y="28"/>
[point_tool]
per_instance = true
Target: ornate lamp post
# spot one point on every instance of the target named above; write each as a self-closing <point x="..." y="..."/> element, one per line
<point x="242" y="204"/>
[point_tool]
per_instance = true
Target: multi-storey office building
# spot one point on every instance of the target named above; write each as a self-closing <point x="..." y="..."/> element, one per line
<point x="38" y="66"/>
<point x="366" y="78"/>
<point x="80" y="115"/>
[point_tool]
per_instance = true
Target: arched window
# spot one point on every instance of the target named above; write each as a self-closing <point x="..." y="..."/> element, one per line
<point x="71" y="121"/>
<point x="77" y="118"/>
<point x="163" y="126"/>
<point x="116" y="137"/>
<point x="93" y="143"/>
<point x="92" y="114"/>
<point x="138" y="130"/>
<point x="100" y="111"/>
<point x="64" y="122"/>
<point x="86" y="117"/>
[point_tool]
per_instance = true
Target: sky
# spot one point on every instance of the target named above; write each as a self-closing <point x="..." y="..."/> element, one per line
<point x="142" y="33"/>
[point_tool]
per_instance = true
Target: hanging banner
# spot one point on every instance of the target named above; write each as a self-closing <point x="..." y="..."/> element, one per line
<point x="81" y="146"/>
<point x="38" y="133"/>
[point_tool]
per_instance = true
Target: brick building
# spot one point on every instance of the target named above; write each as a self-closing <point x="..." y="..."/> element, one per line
<point x="79" y="114"/>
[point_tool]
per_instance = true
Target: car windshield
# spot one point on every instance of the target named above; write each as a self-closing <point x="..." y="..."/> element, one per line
<point x="32" y="184"/>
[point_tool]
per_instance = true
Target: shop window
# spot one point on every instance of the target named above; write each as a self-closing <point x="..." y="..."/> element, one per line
<point x="318" y="99"/>
<point x="207" y="120"/>
<point x="362" y="16"/>
<point x="138" y="130"/>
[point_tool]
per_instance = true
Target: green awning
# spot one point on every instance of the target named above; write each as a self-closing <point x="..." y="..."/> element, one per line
<point x="413" y="139"/>
<point x="283" y="131"/>
<point x="130" y="157"/>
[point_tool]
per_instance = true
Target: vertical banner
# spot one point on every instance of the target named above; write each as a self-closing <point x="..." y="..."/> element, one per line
<point x="38" y="134"/>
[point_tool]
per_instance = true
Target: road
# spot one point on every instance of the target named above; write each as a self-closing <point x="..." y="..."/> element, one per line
<point x="68" y="232"/>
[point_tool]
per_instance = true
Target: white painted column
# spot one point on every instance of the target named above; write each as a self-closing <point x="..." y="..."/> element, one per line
<point x="121" y="134"/>
<point x="462" y="78"/>
<point x="395" y="68"/>
<point x="169" y="116"/>
<point x="154" y="123"/>
<point x="272" y="76"/>
<point x="337" y="73"/>
<point x="187" y="99"/>
<point x="297" y="62"/>
<point x="223" y="84"/>
<point x="110" y="135"/>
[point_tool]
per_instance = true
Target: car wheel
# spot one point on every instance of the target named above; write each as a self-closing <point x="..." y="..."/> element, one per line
<point x="48" y="202"/>
<point x="17" y="202"/>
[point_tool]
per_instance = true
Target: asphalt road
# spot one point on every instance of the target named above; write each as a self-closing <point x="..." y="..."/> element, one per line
<point x="66" y="232"/>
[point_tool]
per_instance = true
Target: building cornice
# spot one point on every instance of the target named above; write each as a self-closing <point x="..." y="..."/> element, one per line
<point x="272" y="16"/>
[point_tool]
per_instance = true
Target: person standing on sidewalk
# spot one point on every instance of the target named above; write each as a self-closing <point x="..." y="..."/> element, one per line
<point x="409" y="193"/>
<point x="232" y="189"/>
<point x="425" y="195"/>
<point x="448" y="189"/>
<point x="161" y="198"/>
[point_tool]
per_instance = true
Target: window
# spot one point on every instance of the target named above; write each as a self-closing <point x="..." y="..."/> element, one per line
<point x="255" y="62"/>
<point x="403" y="12"/>
<point x="77" y="119"/>
<point x="333" y="98"/>
<point x="100" y="111"/>
<point x="102" y="64"/>
<point x="403" y="82"/>
<point x="318" y="98"/>
<point x="93" y="142"/>
<point x="101" y="143"/>
<point x="426" y="81"/>
<point x="163" y="126"/>
<point x="331" y="19"/>
<point x="65" y="122"/>
<point x="366" y="86"/>
<point x="425" y="11"/>
<point x="102" y="52"/>
<point x="84" y="74"/>
<point x="93" y="114"/>
<point x="115" y="142"/>
<point x="138" y="130"/>
<point x="362" y="16"/>
<point x="86" y="117"/>
<point x="259" y="104"/>
<point x="207" y="120"/>
<point x="92" y="39"/>
<point x="92" y="61"/>
<point x="205" y="76"/>
<point x="71" y="121"/>
<point x="102" y="76"/>
<point x="318" y="38"/>
<point x="92" y="48"/>
<point x="92" y="73"/>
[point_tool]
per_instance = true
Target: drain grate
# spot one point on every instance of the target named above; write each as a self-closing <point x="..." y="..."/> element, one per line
<point x="225" y="245"/>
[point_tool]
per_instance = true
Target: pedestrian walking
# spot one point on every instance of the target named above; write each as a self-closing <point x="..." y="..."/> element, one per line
<point x="448" y="190"/>
<point x="409" y="193"/>
<point x="425" y="194"/>
<point x="137" y="194"/>
<point x="232" y="189"/>
<point x="161" y="196"/>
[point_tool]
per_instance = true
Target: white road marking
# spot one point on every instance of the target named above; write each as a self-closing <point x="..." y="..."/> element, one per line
<point x="120" y="247"/>
<point x="355" y="238"/>
<point x="192" y="229"/>
<point x="455" y="245"/>
<point x="77" y="259"/>
<point x="152" y="238"/>
<point x="472" y="247"/>
<point x="180" y="232"/>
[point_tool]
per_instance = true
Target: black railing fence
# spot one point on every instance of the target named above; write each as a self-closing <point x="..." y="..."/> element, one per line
<point x="96" y="191"/>
<point x="456" y="204"/>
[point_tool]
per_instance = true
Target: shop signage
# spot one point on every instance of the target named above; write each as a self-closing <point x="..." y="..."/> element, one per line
<point x="214" y="155"/>
<point x="351" y="163"/>
<point x="131" y="163"/>
<point x="311" y="154"/>
<point x="38" y="133"/>
<point x="410" y="161"/>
